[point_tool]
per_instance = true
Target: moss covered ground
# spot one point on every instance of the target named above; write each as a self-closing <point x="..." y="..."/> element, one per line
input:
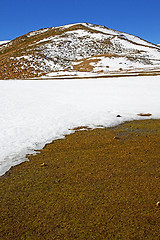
<point x="95" y="184"/>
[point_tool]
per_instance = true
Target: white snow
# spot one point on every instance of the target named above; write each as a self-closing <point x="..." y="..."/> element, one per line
<point x="65" y="74"/>
<point x="29" y="57"/>
<point x="115" y="63"/>
<point x="130" y="37"/>
<point x="84" y="33"/>
<point x="81" y="33"/>
<point x="33" y="33"/>
<point x="33" y="113"/>
<point x="3" y="42"/>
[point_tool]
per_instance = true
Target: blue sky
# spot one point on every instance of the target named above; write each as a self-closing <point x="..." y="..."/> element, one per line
<point x="138" y="17"/>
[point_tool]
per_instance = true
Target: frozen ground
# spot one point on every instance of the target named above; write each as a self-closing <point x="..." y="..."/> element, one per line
<point x="33" y="113"/>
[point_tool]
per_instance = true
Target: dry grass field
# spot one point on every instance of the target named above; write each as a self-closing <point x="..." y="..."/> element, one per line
<point x="95" y="184"/>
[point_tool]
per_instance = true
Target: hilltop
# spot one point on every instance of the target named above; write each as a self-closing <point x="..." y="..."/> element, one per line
<point x="76" y="50"/>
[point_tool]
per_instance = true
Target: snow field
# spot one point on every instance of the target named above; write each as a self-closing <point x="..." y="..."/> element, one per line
<point x="36" y="112"/>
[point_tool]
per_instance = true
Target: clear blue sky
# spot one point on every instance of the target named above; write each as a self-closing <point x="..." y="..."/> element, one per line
<point x="138" y="17"/>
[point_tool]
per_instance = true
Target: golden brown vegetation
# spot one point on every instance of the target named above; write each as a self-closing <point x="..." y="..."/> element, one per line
<point x="93" y="186"/>
<point x="85" y="64"/>
<point x="144" y="114"/>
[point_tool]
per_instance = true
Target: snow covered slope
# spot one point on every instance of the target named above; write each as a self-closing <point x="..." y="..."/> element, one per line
<point x="73" y="48"/>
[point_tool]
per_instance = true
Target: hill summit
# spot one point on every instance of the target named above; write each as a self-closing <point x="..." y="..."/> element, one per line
<point x="76" y="50"/>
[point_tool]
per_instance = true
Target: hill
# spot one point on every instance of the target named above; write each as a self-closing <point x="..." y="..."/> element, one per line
<point x="75" y="50"/>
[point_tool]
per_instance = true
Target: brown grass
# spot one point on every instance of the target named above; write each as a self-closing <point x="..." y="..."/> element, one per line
<point x="144" y="114"/>
<point x="93" y="186"/>
<point x="84" y="65"/>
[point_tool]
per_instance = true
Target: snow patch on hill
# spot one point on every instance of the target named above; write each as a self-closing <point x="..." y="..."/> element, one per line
<point x="4" y="42"/>
<point x="34" y="33"/>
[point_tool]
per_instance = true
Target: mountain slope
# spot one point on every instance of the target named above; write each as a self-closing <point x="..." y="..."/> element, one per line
<point x="75" y="48"/>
